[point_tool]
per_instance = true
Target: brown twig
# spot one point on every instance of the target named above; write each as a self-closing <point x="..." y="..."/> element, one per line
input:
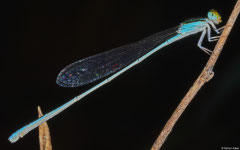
<point x="204" y="77"/>
<point x="44" y="134"/>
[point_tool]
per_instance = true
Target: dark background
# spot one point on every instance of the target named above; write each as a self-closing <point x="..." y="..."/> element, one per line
<point x="128" y="113"/>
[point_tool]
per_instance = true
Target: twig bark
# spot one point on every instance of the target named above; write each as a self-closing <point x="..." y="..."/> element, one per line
<point x="204" y="77"/>
<point x="44" y="134"/>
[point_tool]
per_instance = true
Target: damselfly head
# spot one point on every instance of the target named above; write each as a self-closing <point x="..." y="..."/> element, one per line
<point x="214" y="16"/>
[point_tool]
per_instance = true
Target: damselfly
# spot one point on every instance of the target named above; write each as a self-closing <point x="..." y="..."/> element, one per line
<point x="118" y="60"/>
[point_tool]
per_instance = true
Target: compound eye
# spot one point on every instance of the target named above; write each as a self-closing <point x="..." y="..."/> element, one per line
<point x="214" y="16"/>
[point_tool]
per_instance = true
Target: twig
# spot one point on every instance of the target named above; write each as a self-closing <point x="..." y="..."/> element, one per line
<point x="44" y="134"/>
<point x="204" y="77"/>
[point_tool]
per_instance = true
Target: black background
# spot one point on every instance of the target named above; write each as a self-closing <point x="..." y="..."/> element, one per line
<point x="128" y="113"/>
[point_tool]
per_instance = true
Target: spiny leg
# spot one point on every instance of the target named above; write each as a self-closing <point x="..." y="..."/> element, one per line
<point x="219" y="30"/>
<point x="215" y="38"/>
<point x="200" y="43"/>
<point x="209" y="37"/>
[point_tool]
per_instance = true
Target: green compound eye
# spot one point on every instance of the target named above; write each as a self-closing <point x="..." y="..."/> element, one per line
<point x="214" y="16"/>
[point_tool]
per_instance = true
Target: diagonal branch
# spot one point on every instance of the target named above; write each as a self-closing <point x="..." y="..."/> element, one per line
<point x="204" y="77"/>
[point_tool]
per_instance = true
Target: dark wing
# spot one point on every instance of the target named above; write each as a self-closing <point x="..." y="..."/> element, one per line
<point x="101" y="65"/>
